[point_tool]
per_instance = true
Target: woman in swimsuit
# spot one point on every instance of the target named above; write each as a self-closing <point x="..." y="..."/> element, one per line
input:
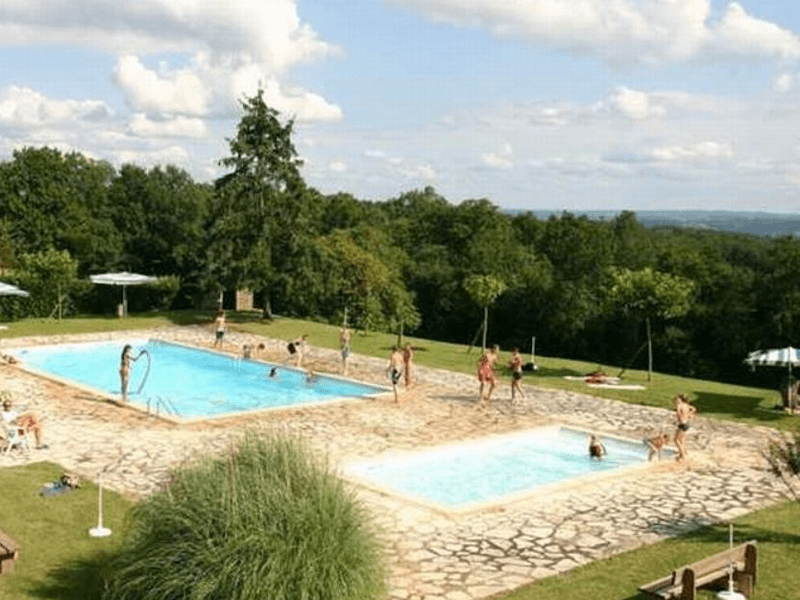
<point x="486" y="371"/>
<point x="126" y="361"/>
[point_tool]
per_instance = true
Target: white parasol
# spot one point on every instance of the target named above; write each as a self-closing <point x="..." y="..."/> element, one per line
<point x="6" y="289"/>
<point x="778" y="357"/>
<point x="123" y="279"/>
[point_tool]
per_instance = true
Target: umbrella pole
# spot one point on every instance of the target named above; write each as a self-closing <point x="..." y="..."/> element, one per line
<point x="124" y="302"/>
<point x="791" y="387"/>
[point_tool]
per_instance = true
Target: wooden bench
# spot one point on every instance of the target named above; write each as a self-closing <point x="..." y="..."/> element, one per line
<point x="9" y="551"/>
<point x="684" y="582"/>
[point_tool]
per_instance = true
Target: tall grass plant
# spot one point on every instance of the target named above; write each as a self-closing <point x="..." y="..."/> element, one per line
<point x="267" y="521"/>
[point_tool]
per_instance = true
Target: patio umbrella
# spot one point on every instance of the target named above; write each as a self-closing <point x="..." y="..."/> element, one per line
<point x="123" y="279"/>
<point x="6" y="289"/>
<point x="778" y="357"/>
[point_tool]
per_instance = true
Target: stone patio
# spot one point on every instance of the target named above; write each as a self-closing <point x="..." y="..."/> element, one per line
<point x="434" y="554"/>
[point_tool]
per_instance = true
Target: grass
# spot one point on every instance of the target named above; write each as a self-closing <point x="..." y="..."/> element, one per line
<point x="58" y="559"/>
<point x="777" y="530"/>
<point x="61" y="562"/>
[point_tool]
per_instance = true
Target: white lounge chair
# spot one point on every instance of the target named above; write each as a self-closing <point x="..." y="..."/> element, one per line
<point x="13" y="437"/>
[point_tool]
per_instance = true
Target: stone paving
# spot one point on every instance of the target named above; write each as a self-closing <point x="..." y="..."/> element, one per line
<point x="434" y="554"/>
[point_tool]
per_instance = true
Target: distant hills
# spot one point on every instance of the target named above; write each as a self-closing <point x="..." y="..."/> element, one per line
<point x="755" y="223"/>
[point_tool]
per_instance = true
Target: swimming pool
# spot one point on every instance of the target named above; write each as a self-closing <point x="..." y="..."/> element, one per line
<point x="491" y="470"/>
<point x="188" y="382"/>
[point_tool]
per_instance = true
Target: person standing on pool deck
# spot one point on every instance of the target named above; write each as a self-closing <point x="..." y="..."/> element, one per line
<point x="408" y="363"/>
<point x="684" y="412"/>
<point x="395" y="369"/>
<point x="516" y="374"/>
<point x="344" y="346"/>
<point x="219" y="323"/>
<point x="126" y="361"/>
<point x="297" y="346"/>
<point x="486" y="372"/>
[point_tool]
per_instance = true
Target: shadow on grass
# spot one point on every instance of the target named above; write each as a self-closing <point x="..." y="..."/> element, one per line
<point x="551" y="372"/>
<point x="746" y="407"/>
<point x="718" y="534"/>
<point x="79" y="579"/>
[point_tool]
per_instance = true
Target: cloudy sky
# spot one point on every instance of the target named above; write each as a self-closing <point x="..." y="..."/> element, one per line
<point x="535" y="104"/>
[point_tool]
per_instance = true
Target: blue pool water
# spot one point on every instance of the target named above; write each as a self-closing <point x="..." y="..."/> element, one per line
<point x="196" y="383"/>
<point x="460" y="475"/>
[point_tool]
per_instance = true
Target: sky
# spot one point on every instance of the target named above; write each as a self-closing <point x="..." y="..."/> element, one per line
<point x="534" y="104"/>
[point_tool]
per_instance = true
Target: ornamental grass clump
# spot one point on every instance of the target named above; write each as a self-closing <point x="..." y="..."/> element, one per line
<point x="267" y="521"/>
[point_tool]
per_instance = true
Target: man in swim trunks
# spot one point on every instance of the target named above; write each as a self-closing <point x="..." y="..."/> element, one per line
<point x="395" y="369"/>
<point x="297" y="347"/>
<point x="486" y="372"/>
<point x="516" y="374"/>
<point x="684" y="412"/>
<point x="219" y="326"/>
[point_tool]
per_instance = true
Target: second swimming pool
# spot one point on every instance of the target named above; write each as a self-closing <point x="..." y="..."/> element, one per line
<point x="188" y="382"/>
<point x="476" y="473"/>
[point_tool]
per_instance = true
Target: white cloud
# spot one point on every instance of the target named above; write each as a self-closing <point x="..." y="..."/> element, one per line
<point x="648" y="31"/>
<point x="23" y="107"/>
<point x="338" y="166"/>
<point x="268" y="32"/>
<point x="151" y="157"/>
<point x="179" y="126"/>
<point x="177" y="92"/>
<point x="635" y="104"/>
<point x="229" y="49"/>
<point x="499" y="160"/>
<point x="738" y="33"/>
<point x="698" y="152"/>
<point x="783" y="83"/>
<point x="206" y="89"/>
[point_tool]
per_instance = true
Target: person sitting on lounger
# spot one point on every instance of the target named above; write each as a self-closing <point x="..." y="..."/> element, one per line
<point x="24" y="422"/>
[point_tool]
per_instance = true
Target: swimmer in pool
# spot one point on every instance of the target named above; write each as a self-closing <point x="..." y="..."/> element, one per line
<point x="273" y="372"/>
<point x="596" y="449"/>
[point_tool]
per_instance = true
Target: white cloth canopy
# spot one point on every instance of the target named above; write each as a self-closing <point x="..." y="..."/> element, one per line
<point x="778" y="357"/>
<point x="6" y="289"/>
<point x="124" y="279"/>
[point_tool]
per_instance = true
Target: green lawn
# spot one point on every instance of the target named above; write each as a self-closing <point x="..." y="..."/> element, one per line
<point x="60" y="561"/>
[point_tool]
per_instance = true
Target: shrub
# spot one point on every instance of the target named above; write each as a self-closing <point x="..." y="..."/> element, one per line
<point x="265" y="522"/>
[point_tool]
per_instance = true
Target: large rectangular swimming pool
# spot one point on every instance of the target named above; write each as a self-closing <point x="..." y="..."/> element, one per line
<point x="494" y="469"/>
<point x="191" y="382"/>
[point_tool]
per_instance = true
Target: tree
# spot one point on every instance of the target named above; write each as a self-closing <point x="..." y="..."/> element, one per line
<point x="484" y="290"/>
<point x="51" y="278"/>
<point x="649" y="294"/>
<point x="259" y="219"/>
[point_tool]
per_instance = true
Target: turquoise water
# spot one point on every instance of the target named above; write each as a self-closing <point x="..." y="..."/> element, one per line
<point x="197" y="383"/>
<point x="491" y="469"/>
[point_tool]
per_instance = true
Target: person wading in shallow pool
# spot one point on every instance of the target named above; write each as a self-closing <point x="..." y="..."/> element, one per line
<point x="596" y="448"/>
<point x="684" y="412"/>
<point x="486" y="372"/>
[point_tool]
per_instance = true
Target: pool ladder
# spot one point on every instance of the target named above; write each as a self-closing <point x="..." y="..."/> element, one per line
<point x="160" y="404"/>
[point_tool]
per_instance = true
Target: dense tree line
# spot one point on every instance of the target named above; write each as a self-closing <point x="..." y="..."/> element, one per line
<point x="586" y="289"/>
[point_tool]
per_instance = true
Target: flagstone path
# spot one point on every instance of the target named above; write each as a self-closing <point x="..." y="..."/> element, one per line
<point x="434" y="554"/>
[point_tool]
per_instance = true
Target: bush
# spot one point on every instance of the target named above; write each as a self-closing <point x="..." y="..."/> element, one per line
<point x="266" y="522"/>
